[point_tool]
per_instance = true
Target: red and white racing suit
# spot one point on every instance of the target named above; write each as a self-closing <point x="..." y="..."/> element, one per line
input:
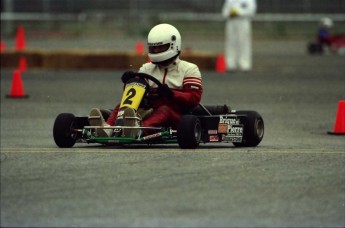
<point x="184" y="79"/>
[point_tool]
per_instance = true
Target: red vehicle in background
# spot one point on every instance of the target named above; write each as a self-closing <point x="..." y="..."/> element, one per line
<point x="326" y="41"/>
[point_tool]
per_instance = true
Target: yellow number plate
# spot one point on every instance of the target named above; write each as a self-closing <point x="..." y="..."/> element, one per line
<point x="133" y="94"/>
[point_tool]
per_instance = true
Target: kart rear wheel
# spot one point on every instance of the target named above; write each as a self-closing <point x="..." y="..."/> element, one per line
<point x="64" y="137"/>
<point x="253" y="129"/>
<point x="189" y="132"/>
<point x="315" y="48"/>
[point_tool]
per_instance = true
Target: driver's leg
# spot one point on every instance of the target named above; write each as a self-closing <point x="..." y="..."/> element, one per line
<point x="162" y="116"/>
<point x="113" y="116"/>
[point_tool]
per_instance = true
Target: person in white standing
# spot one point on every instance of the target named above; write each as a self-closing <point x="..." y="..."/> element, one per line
<point x="238" y="43"/>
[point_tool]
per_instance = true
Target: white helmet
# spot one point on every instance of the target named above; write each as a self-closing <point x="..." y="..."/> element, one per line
<point x="164" y="43"/>
<point x="326" y="22"/>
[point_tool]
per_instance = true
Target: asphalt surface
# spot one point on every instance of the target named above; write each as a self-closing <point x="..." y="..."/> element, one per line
<point x="294" y="178"/>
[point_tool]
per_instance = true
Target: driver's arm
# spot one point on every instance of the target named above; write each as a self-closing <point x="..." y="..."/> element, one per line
<point x="190" y="96"/>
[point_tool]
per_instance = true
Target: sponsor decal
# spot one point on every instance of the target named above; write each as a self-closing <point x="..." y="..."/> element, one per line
<point x="136" y="84"/>
<point x="231" y="128"/>
<point x="223" y="128"/>
<point x="155" y="44"/>
<point x="236" y="130"/>
<point x="229" y="120"/>
<point x="214" y="138"/>
<point x="117" y="130"/>
<point x="152" y="136"/>
<point x="194" y="87"/>
<point x="212" y="132"/>
<point x="235" y="133"/>
<point x="228" y="138"/>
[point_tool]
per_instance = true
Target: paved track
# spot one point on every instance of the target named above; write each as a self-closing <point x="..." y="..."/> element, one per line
<point x="294" y="178"/>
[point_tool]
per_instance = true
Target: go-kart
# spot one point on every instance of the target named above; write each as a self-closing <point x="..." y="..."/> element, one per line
<point x="203" y="124"/>
<point x="335" y="45"/>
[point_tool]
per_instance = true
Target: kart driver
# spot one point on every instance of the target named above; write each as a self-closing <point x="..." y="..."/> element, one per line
<point x="182" y="86"/>
<point x="326" y="38"/>
<point x="324" y="35"/>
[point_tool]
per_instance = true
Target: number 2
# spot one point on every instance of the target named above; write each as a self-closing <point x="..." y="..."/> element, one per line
<point x="130" y="94"/>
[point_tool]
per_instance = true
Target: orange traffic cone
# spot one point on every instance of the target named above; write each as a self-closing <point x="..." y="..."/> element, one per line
<point x="23" y="66"/>
<point x="17" y="89"/>
<point x="220" y="64"/>
<point x="339" y="125"/>
<point x="2" y="46"/>
<point x="139" y="48"/>
<point x="20" y="39"/>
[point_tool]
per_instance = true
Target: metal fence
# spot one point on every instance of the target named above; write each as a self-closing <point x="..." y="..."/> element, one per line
<point x="149" y="6"/>
<point x="133" y="17"/>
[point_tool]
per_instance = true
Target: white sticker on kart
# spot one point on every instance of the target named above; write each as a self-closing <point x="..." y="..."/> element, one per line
<point x="229" y="120"/>
<point x="235" y="133"/>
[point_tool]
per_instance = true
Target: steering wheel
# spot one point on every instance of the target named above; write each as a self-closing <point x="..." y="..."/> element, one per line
<point x="149" y="77"/>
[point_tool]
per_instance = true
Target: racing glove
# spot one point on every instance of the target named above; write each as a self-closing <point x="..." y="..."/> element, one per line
<point x="127" y="75"/>
<point x="165" y="91"/>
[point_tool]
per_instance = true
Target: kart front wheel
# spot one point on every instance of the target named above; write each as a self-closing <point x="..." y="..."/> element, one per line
<point x="64" y="137"/>
<point x="189" y="132"/>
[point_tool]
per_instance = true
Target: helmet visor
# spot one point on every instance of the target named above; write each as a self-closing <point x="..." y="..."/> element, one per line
<point x="159" y="48"/>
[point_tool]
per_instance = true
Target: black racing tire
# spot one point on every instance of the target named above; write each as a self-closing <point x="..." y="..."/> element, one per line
<point x="254" y="129"/>
<point x="189" y="132"/>
<point x="64" y="137"/>
<point x="315" y="48"/>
